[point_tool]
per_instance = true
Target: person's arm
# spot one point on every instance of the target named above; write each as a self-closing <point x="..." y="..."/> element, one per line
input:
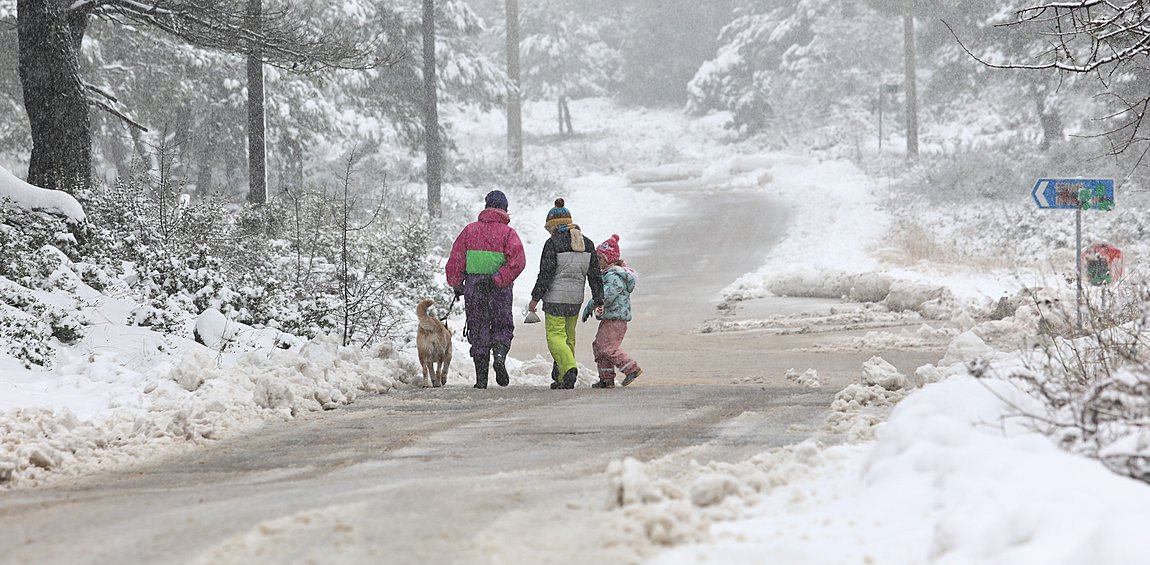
<point x="594" y="275"/>
<point x="548" y="263"/>
<point x="457" y="261"/>
<point x="516" y="261"/>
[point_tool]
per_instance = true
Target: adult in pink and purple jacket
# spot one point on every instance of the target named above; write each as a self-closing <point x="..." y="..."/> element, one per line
<point x="485" y="260"/>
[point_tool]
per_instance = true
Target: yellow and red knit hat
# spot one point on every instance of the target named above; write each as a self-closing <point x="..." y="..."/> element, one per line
<point x="558" y="216"/>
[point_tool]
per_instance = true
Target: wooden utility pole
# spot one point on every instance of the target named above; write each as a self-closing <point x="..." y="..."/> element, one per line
<point x="514" y="110"/>
<point x="431" y="112"/>
<point x="911" y="90"/>
<point x="257" y="146"/>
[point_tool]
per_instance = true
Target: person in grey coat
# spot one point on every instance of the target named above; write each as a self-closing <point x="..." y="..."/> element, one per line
<point x="567" y="266"/>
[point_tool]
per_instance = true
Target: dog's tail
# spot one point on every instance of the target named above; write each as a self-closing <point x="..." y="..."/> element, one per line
<point x="426" y="321"/>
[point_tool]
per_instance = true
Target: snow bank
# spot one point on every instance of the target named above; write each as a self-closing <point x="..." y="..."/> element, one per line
<point x="174" y="406"/>
<point x="35" y="199"/>
<point x="218" y="333"/>
<point x="825" y="197"/>
<point x="950" y="479"/>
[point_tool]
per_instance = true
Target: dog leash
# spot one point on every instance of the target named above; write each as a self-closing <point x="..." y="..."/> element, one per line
<point x="447" y="313"/>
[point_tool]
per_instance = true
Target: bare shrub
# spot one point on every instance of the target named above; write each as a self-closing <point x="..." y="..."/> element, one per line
<point x="1094" y="386"/>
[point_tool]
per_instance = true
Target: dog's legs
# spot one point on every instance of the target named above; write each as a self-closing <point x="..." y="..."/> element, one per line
<point x="446" y="364"/>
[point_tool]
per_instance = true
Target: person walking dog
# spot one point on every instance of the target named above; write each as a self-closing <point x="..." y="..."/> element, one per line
<point x="485" y="260"/>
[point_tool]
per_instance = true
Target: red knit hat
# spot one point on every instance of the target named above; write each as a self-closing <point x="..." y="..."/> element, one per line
<point x="610" y="248"/>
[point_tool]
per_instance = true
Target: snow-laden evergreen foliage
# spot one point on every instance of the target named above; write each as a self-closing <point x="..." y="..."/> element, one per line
<point x="34" y="266"/>
<point x="789" y="67"/>
<point x="280" y="266"/>
<point x="193" y="100"/>
<point x="566" y="54"/>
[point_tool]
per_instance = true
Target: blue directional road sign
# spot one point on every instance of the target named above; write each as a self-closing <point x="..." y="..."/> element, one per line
<point x="1074" y="194"/>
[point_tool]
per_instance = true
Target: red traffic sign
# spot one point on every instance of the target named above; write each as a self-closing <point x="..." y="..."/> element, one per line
<point x="1102" y="263"/>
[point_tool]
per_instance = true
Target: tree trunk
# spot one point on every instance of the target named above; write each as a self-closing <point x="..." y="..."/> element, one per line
<point x="1049" y="119"/>
<point x="207" y="157"/>
<point x="293" y="169"/>
<point x="911" y="89"/>
<point x="564" y="117"/>
<point x="1052" y="132"/>
<point x="257" y="147"/>
<point x="54" y="96"/>
<point x="431" y="112"/>
<point x="514" y="110"/>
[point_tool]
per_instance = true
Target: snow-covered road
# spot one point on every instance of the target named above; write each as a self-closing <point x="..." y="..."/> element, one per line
<point x="452" y="475"/>
<point x="455" y="475"/>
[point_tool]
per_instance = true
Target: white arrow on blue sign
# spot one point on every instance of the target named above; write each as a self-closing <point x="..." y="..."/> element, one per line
<point x="1065" y="193"/>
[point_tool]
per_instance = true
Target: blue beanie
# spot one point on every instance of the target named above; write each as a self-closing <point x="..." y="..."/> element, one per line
<point x="496" y="199"/>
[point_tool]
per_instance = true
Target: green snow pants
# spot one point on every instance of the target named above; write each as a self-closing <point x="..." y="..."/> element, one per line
<point x="561" y="341"/>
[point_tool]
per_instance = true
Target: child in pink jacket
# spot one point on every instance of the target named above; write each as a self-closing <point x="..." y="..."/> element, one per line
<point x="618" y="283"/>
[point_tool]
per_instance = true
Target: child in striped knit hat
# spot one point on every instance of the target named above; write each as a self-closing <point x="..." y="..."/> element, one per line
<point x="567" y="266"/>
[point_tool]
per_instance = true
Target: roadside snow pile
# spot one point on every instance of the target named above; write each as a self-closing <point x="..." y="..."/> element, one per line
<point x="808" y="378"/>
<point x="861" y="406"/>
<point x="850" y="317"/>
<point x="664" y="513"/>
<point x="951" y="478"/>
<point x="924" y="337"/>
<point x="940" y="467"/>
<point x="150" y="412"/>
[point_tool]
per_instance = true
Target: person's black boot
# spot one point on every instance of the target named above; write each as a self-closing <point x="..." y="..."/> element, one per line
<point x="481" y="371"/>
<point x="570" y="378"/>
<point x="499" y="362"/>
<point x="555" y="377"/>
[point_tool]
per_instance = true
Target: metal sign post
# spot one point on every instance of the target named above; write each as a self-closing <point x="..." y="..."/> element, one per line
<point x="1079" y="195"/>
<point x="1078" y="249"/>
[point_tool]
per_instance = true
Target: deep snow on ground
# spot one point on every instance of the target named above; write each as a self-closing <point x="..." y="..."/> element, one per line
<point x="950" y="476"/>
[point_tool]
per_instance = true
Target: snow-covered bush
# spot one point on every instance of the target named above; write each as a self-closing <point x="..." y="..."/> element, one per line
<point x="28" y="324"/>
<point x="33" y="263"/>
<point x="1096" y="392"/>
<point x="296" y="264"/>
<point x="23" y="234"/>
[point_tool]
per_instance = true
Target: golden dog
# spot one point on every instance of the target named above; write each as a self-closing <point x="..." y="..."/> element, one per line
<point x="433" y="341"/>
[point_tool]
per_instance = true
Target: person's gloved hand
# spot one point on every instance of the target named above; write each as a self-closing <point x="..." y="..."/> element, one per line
<point x="587" y="310"/>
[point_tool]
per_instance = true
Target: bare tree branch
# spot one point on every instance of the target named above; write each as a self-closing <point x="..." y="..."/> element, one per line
<point x="1103" y="38"/>
<point x="123" y="117"/>
<point x="110" y="106"/>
